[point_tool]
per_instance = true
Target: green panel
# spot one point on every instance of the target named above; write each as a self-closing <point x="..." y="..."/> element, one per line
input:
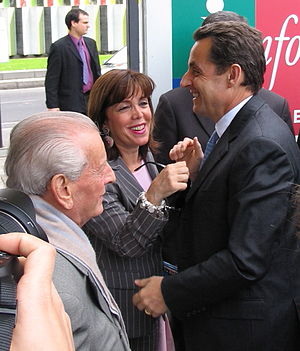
<point x="187" y="17"/>
<point x="41" y="33"/>
<point x="12" y="32"/>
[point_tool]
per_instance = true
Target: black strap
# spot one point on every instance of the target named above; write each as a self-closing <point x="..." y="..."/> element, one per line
<point x="8" y="307"/>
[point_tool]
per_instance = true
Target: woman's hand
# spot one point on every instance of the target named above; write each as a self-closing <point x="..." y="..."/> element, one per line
<point x="190" y="151"/>
<point x="172" y="178"/>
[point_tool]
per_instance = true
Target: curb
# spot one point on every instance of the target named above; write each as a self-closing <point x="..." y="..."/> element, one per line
<point x="22" y="79"/>
<point x="21" y="83"/>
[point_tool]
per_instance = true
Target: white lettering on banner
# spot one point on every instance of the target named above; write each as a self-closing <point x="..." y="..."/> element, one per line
<point x="296" y="116"/>
<point x="282" y="37"/>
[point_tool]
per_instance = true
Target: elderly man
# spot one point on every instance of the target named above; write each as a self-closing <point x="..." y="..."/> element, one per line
<point x="58" y="158"/>
<point x="238" y="257"/>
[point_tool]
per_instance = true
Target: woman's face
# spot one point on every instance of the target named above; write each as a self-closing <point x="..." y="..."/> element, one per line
<point x="129" y="122"/>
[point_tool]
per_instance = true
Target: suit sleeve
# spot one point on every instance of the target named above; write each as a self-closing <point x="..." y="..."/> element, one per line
<point x="259" y="188"/>
<point x="52" y="80"/>
<point x="126" y="233"/>
<point x="286" y="116"/>
<point x="165" y="129"/>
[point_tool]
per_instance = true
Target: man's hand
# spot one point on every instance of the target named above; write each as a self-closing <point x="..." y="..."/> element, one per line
<point x="149" y="298"/>
<point x="42" y="322"/>
<point x="54" y="109"/>
<point x="190" y="151"/>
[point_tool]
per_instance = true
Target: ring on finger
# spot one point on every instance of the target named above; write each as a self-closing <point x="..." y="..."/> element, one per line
<point x="148" y="313"/>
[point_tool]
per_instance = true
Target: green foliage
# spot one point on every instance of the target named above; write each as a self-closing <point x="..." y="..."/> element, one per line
<point x="33" y="63"/>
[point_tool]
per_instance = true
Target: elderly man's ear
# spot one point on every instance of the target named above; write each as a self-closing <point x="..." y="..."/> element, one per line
<point x="60" y="189"/>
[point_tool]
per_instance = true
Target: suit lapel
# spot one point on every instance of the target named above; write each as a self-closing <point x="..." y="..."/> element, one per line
<point x="206" y="124"/>
<point x="100" y="298"/>
<point x="219" y="151"/>
<point x="152" y="169"/>
<point x="72" y="47"/>
<point x="222" y="147"/>
<point x="126" y="179"/>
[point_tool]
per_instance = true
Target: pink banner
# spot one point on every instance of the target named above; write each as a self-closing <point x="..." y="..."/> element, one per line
<point x="279" y="22"/>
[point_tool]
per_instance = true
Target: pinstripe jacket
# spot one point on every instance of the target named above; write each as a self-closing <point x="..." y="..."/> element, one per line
<point x="127" y="244"/>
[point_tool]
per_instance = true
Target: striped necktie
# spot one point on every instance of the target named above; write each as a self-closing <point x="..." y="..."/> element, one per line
<point x="210" y="145"/>
<point x="85" y="74"/>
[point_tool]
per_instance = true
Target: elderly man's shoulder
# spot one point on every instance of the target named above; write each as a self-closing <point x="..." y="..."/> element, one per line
<point x="69" y="276"/>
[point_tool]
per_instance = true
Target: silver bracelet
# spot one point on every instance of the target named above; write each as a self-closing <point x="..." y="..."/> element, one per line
<point x="160" y="212"/>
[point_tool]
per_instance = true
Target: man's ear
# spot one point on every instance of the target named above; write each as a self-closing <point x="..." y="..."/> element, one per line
<point x="234" y="74"/>
<point x="61" y="190"/>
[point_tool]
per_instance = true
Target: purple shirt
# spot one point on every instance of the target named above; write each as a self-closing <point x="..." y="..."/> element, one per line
<point x="88" y="86"/>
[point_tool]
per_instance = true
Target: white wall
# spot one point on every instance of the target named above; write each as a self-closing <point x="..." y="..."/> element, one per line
<point x="158" y="44"/>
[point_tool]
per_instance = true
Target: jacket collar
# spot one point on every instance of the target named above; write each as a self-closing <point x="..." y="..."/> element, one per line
<point x="127" y="180"/>
<point x="239" y="122"/>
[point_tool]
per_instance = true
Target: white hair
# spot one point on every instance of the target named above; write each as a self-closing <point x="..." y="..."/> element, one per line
<point x="44" y="145"/>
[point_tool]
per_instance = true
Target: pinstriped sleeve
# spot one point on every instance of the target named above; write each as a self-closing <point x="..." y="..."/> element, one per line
<point x="126" y="231"/>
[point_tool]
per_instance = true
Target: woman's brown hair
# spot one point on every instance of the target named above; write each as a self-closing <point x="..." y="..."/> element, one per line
<point x="112" y="88"/>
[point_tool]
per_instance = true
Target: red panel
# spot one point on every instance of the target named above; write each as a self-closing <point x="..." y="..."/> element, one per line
<point x="279" y="22"/>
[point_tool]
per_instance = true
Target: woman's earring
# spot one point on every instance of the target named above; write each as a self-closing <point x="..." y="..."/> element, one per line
<point x="107" y="138"/>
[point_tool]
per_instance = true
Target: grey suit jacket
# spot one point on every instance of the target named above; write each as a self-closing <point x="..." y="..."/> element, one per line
<point x="127" y="244"/>
<point x="93" y="326"/>
<point x="239" y="259"/>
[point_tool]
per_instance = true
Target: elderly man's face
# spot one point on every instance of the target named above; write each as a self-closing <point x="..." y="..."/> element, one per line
<point x="208" y="89"/>
<point x="89" y="189"/>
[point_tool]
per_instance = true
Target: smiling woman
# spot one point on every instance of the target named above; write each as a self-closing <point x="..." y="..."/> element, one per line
<point x="126" y="236"/>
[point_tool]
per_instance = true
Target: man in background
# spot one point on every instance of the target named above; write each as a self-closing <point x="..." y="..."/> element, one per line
<point x="62" y="167"/>
<point x="73" y="66"/>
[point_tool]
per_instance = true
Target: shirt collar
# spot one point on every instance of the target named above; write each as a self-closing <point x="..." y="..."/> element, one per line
<point x="225" y="121"/>
<point x="76" y="40"/>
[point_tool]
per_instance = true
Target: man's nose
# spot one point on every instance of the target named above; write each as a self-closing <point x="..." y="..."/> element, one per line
<point x="110" y="175"/>
<point x="185" y="80"/>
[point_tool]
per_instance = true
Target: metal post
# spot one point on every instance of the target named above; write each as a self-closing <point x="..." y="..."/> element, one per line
<point x="132" y="19"/>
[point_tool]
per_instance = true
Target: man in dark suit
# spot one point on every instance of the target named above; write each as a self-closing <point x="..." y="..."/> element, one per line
<point x="174" y="116"/>
<point x="73" y="66"/>
<point x="239" y="259"/>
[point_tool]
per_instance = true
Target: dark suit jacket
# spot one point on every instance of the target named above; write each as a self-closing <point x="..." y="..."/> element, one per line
<point x="63" y="82"/>
<point x="175" y="120"/>
<point x="127" y="244"/>
<point x="239" y="259"/>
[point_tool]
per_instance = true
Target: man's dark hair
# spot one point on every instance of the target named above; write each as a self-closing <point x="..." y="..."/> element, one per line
<point x="73" y="15"/>
<point x="236" y="43"/>
<point x="223" y="16"/>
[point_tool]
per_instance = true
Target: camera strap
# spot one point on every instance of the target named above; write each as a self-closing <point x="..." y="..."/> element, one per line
<point x="8" y="308"/>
